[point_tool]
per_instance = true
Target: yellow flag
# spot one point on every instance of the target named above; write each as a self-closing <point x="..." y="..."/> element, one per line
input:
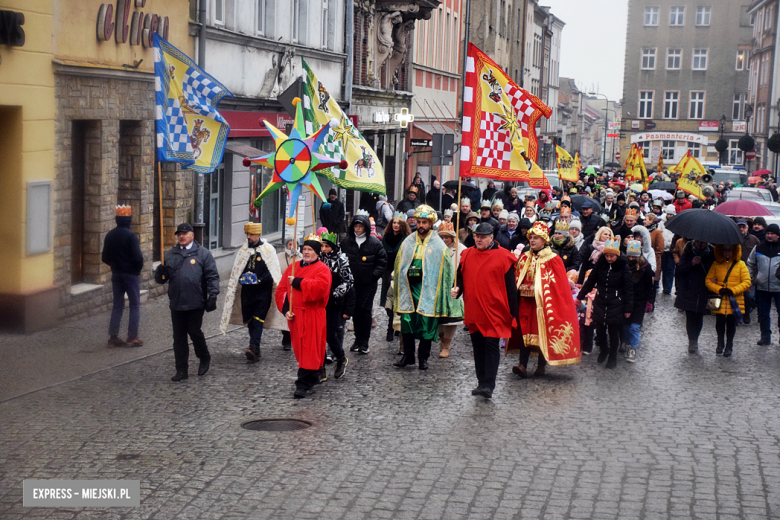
<point x="689" y="176"/>
<point x="566" y="165"/>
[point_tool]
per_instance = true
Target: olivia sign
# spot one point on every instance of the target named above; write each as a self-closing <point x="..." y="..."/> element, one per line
<point x="138" y="28"/>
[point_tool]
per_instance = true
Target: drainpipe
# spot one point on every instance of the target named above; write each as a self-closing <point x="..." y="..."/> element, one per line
<point x="349" y="48"/>
<point x="202" y="65"/>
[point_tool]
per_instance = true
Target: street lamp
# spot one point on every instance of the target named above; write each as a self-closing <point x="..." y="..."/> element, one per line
<point x="747" y="143"/>
<point x="606" y="123"/>
<point x="721" y="145"/>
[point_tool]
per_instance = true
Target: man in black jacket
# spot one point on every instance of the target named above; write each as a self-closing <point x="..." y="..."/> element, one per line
<point x="367" y="261"/>
<point x="486" y="216"/>
<point x="122" y="252"/>
<point x="332" y="215"/>
<point x="193" y="286"/>
<point x="590" y="221"/>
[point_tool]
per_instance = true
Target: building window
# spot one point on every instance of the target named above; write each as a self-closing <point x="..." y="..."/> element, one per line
<point x="667" y="150"/>
<point x="325" y="28"/>
<point x="768" y="18"/>
<point x="648" y="59"/>
<point x="741" y="60"/>
<point x="736" y="157"/>
<point x="697" y="105"/>
<point x="703" y="15"/>
<point x="296" y="20"/>
<point x="671" y="104"/>
<point x="695" y="149"/>
<point x="646" y="104"/>
<point x="651" y="16"/>
<point x="739" y="103"/>
<point x="673" y="59"/>
<point x="700" y="59"/>
<point x="677" y="16"/>
<point x="219" y="12"/>
<point x="645" y="146"/>
<point x="260" y="19"/>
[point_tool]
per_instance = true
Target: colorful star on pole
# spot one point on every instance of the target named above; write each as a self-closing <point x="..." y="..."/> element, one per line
<point x="294" y="161"/>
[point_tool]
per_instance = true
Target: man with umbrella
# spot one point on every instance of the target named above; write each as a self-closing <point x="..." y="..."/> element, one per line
<point x="763" y="263"/>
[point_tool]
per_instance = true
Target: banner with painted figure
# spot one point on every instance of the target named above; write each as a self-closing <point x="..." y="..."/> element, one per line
<point x="577" y="162"/>
<point x="635" y="169"/>
<point x="190" y="130"/>
<point x="364" y="171"/>
<point x="499" y="124"/>
<point x="567" y="169"/>
<point x="690" y="171"/>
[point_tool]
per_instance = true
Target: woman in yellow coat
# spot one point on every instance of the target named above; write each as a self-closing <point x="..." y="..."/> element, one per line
<point x="738" y="282"/>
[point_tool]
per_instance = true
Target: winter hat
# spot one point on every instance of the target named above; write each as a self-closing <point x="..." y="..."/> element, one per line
<point x="774" y="229"/>
<point x="504" y="214"/>
<point x="680" y="194"/>
<point x="314" y="242"/>
<point x="670" y="210"/>
<point x="760" y="220"/>
<point x="410" y="213"/>
<point x="621" y="196"/>
<point x="513" y="216"/>
<point x="576" y="224"/>
<point x="524" y="224"/>
<point x="332" y="192"/>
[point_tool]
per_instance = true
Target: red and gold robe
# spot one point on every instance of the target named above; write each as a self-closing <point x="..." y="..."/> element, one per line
<point x="308" y="328"/>
<point x="548" y="316"/>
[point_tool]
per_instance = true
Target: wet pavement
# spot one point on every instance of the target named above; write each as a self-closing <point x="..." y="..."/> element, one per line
<point x="672" y="436"/>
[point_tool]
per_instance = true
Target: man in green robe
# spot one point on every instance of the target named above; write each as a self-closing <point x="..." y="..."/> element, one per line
<point x="423" y="277"/>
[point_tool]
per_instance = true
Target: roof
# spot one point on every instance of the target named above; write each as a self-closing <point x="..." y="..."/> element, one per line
<point x="242" y="149"/>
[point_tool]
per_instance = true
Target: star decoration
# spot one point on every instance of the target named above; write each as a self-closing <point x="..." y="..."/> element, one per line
<point x="510" y="124"/>
<point x="294" y="161"/>
<point x="343" y="133"/>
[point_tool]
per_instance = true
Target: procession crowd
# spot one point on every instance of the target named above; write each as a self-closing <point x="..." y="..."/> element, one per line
<point x="546" y="275"/>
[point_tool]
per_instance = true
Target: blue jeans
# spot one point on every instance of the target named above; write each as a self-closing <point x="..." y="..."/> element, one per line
<point x="764" y="300"/>
<point x="667" y="271"/>
<point x="631" y="333"/>
<point x="123" y="283"/>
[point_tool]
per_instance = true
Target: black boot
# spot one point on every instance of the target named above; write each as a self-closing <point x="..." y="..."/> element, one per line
<point x="603" y="353"/>
<point x="404" y="361"/>
<point x="286" y="340"/>
<point x="322" y="375"/>
<point x="729" y="348"/>
<point x="253" y="353"/>
<point x="719" y="349"/>
<point x="341" y="367"/>
<point x="180" y="374"/>
<point x="612" y="361"/>
<point x="390" y="331"/>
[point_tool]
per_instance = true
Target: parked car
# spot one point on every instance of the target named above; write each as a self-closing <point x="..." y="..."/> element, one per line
<point x="728" y="174"/>
<point x="749" y="193"/>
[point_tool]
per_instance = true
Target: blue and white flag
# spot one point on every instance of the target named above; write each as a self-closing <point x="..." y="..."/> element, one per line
<point x="190" y="131"/>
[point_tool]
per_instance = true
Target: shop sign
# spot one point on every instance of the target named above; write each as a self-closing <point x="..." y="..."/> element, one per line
<point x="635" y="124"/>
<point x="670" y="136"/>
<point x="709" y="126"/>
<point x="421" y="142"/>
<point x="649" y="125"/>
<point x="738" y="126"/>
<point x="138" y="28"/>
<point x="381" y="117"/>
<point x="615" y="126"/>
<point x="11" y="32"/>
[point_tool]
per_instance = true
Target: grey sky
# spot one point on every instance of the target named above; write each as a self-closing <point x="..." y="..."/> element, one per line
<point x="593" y="43"/>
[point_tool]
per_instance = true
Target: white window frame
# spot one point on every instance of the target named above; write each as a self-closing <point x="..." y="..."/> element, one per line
<point x="651" y="16"/>
<point x="678" y="57"/>
<point x="667" y="150"/>
<point x="677" y="13"/>
<point x="221" y="5"/>
<point x="741" y="59"/>
<point x="738" y="101"/>
<point x="768" y="18"/>
<point x="735" y="156"/>
<point x="296" y="20"/>
<point x="696" y="57"/>
<point x="703" y="16"/>
<point x="260" y="12"/>
<point x="671" y="104"/>
<point x="325" y="26"/>
<point x="646" y="105"/>
<point x="695" y="149"/>
<point x="649" y="55"/>
<point x="692" y="103"/>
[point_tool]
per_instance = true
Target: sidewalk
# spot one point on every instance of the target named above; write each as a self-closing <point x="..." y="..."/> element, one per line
<point x="78" y="348"/>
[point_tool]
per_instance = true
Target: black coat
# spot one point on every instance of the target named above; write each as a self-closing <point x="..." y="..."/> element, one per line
<point x="585" y="262"/>
<point x="569" y="254"/>
<point x="493" y="222"/>
<point x="121" y="250"/>
<point x="504" y="239"/>
<point x="367" y="261"/>
<point x="191" y="275"/>
<point x="643" y="292"/>
<point x="692" y="293"/>
<point x="591" y="224"/>
<point x="333" y="217"/>
<point x="615" y="291"/>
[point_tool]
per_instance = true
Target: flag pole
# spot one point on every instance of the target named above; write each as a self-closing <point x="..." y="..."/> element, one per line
<point x="162" y="227"/>
<point x="457" y="232"/>
<point x="295" y="241"/>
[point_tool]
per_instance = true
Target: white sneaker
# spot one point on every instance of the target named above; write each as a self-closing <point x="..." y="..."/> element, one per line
<point x="631" y="355"/>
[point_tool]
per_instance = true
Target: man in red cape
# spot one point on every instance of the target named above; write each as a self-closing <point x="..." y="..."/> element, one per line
<point x="308" y="289"/>
<point x="486" y="280"/>
<point x="548" y="316"/>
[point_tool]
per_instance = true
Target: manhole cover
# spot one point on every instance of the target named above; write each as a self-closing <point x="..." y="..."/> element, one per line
<point x="276" y="425"/>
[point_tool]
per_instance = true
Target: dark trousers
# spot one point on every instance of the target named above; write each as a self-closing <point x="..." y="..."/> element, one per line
<point x="364" y="307"/>
<point x="525" y="355"/>
<point x="486" y="359"/>
<point x="726" y="324"/>
<point x="307" y="379"/>
<point x="122" y="283"/>
<point x="608" y="336"/>
<point x="255" y="330"/>
<point x="334" y="319"/>
<point x="764" y="301"/>
<point x="694" y="321"/>
<point x="667" y="271"/>
<point x="586" y="337"/>
<point x="423" y="353"/>
<point x="188" y="323"/>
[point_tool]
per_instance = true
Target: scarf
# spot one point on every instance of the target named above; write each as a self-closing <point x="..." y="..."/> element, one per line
<point x="393" y="239"/>
<point x="652" y="227"/>
<point x="598" y="248"/>
<point x="360" y="239"/>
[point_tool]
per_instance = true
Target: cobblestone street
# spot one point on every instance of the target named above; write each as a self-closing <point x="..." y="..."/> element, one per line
<point x="672" y="436"/>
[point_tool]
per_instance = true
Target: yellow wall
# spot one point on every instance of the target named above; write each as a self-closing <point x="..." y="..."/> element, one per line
<point x="76" y="41"/>
<point x="26" y="142"/>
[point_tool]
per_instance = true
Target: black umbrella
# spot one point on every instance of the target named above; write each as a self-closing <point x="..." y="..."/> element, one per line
<point x="705" y="225"/>
<point x="612" y="165"/>
<point x="578" y="200"/>
<point x="663" y="185"/>
<point x="453" y="185"/>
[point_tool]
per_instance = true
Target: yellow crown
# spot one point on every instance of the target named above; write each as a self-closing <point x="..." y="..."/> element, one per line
<point x="612" y="246"/>
<point x="253" y="228"/>
<point x="313" y="237"/>
<point x="561" y="226"/>
<point x="631" y="212"/>
<point x="425" y="211"/>
<point x="540" y="229"/>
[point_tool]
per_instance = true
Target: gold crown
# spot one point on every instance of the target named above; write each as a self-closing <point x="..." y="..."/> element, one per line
<point x="425" y="211"/>
<point x="561" y="226"/>
<point x="612" y="246"/>
<point x="123" y="211"/>
<point x="631" y="212"/>
<point x="565" y="211"/>
<point x="540" y="229"/>
<point x="313" y="237"/>
<point x="253" y="228"/>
